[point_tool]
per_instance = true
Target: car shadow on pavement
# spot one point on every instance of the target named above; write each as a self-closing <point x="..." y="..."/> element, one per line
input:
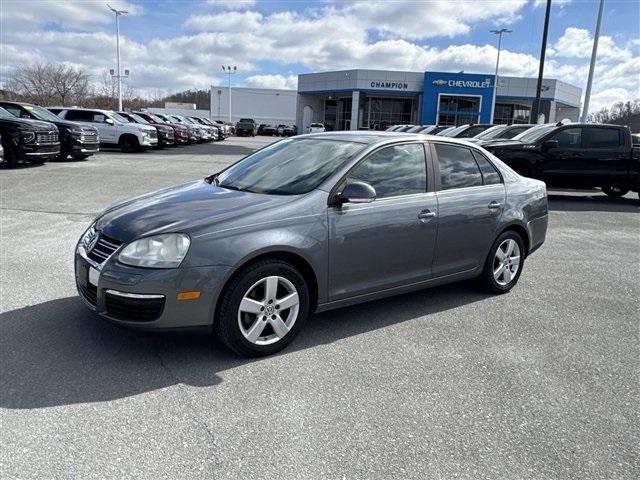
<point x="593" y="203"/>
<point x="59" y="353"/>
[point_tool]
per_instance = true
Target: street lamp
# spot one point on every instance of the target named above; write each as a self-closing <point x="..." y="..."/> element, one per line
<point x="118" y="76"/>
<point x="495" y="77"/>
<point x="229" y="71"/>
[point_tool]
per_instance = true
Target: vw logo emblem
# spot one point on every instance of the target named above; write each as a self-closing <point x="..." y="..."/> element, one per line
<point x="91" y="242"/>
<point x="269" y="310"/>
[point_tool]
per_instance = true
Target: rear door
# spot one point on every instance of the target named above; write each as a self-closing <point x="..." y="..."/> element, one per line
<point x="607" y="155"/>
<point x="471" y="198"/>
<point x="390" y="241"/>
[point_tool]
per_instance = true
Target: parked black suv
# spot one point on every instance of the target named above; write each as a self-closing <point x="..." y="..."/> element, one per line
<point x="575" y="155"/>
<point x="27" y="140"/>
<point x="246" y="126"/>
<point x="77" y="141"/>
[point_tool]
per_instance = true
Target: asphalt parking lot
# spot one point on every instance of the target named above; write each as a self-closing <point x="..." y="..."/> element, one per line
<point x="541" y="383"/>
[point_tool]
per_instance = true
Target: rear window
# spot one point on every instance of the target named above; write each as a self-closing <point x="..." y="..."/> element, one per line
<point x="603" y="137"/>
<point x="458" y="167"/>
<point x="317" y="125"/>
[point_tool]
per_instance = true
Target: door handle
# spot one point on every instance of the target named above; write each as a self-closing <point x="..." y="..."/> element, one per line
<point x="426" y="215"/>
<point x="494" y="205"/>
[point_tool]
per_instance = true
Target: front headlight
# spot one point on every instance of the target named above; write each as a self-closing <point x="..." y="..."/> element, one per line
<point x="28" y="137"/>
<point x="160" y="251"/>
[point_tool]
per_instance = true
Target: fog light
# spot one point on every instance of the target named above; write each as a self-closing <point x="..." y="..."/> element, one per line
<point x="190" y="295"/>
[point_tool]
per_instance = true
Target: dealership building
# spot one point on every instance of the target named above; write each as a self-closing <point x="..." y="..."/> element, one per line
<point x="374" y="99"/>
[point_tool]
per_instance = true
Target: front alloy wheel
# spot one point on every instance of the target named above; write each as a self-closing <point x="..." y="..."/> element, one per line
<point x="268" y="310"/>
<point x="262" y="308"/>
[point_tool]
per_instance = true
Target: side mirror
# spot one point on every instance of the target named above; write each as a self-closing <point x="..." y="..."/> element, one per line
<point x="548" y="144"/>
<point x="356" y="192"/>
<point x="109" y="121"/>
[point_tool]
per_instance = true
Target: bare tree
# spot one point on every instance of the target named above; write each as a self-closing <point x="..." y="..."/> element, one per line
<point x="49" y="84"/>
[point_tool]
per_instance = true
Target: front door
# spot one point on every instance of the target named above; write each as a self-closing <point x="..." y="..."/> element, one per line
<point x="567" y="164"/>
<point x="471" y="197"/>
<point x="388" y="242"/>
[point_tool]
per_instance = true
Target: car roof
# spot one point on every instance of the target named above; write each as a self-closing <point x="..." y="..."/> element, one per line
<point x="381" y="137"/>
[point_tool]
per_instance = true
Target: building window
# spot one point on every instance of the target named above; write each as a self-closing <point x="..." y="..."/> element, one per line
<point x="454" y="110"/>
<point x="507" y="113"/>
<point x="382" y="112"/>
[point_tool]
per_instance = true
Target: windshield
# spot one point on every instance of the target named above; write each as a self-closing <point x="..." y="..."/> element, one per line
<point x="453" y="131"/>
<point x="316" y="125"/>
<point x="5" y="114"/>
<point x="534" y="133"/>
<point x="42" y="113"/>
<point x="492" y="132"/>
<point x="139" y="119"/>
<point x="289" y="167"/>
<point x="118" y="117"/>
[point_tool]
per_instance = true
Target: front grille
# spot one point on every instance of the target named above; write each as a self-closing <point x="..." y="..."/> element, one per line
<point x="89" y="292"/>
<point x="133" y="309"/>
<point x="153" y="134"/>
<point x="89" y="136"/>
<point x="47" y="137"/>
<point x="104" y="248"/>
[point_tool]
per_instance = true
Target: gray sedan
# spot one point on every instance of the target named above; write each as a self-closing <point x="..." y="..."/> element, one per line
<point x="310" y="223"/>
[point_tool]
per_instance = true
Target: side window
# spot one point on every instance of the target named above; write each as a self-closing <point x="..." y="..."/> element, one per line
<point x="393" y="171"/>
<point x="568" y="138"/>
<point x="79" y="115"/>
<point x="489" y="173"/>
<point x="603" y="137"/>
<point x="98" y="117"/>
<point x="458" y="168"/>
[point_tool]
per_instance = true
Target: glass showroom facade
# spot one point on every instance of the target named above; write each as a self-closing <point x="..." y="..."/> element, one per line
<point x="375" y="99"/>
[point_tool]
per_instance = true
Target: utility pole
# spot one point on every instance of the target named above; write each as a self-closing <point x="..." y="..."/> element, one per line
<point x="495" y="77"/>
<point x="535" y="111"/>
<point x="228" y="70"/>
<point x="594" y="52"/>
<point x="118" y="76"/>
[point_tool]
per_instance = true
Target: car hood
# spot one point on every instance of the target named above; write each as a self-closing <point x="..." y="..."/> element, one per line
<point x="184" y="208"/>
<point x="37" y="125"/>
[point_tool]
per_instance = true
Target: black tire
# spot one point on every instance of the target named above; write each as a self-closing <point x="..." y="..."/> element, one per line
<point x="615" y="191"/>
<point x="487" y="278"/>
<point x="10" y="154"/>
<point x="128" y="144"/>
<point x="226" y="323"/>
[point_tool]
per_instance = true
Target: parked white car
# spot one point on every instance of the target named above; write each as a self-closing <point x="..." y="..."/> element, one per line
<point x="316" y="128"/>
<point x="114" y="129"/>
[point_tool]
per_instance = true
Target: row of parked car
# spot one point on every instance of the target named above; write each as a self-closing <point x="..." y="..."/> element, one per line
<point x="36" y="134"/>
<point x="564" y="154"/>
<point x="248" y="127"/>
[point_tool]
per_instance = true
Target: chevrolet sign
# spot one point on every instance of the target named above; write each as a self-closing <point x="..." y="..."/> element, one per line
<point x="464" y="83"/>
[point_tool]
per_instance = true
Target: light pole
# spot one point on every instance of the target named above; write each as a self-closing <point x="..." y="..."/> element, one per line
<point x="495" y="77"/>
<point x="229" y="71"/>
<point x="594" y="52"/>
<point x="118" y="76"/>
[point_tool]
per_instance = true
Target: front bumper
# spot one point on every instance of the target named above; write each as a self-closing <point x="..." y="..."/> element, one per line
<point x="79" y="147"/>
<point x="39" y="152"/>
<point x="147" y="298"/>
<point x="149" y="142"/>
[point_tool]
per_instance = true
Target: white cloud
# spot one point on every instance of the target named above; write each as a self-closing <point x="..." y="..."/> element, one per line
<point x="554" y="3"/>
<point x="389" y="35"/>
<point x="232" y="4"/>
<point x="273" y="81"/>
<point x="578" y="43"/>
<point x="70" y="13"/>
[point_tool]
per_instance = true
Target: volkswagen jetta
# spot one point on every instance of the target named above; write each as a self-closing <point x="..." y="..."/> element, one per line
<point x="309" y="224"/>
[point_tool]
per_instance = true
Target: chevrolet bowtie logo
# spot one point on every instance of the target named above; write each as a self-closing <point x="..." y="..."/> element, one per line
<point x="440" y="82"/>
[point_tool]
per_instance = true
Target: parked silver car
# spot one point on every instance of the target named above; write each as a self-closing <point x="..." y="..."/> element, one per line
<point x="308" y="224"/>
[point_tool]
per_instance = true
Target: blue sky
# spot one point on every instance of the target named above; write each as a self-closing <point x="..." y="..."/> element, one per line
<point x="171" y="45"/>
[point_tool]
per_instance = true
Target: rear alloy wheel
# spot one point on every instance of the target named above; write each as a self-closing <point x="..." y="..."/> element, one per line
<point x="615" y="191"/>
<point x="504" y="264"/>
<point x="263" y="308"/>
